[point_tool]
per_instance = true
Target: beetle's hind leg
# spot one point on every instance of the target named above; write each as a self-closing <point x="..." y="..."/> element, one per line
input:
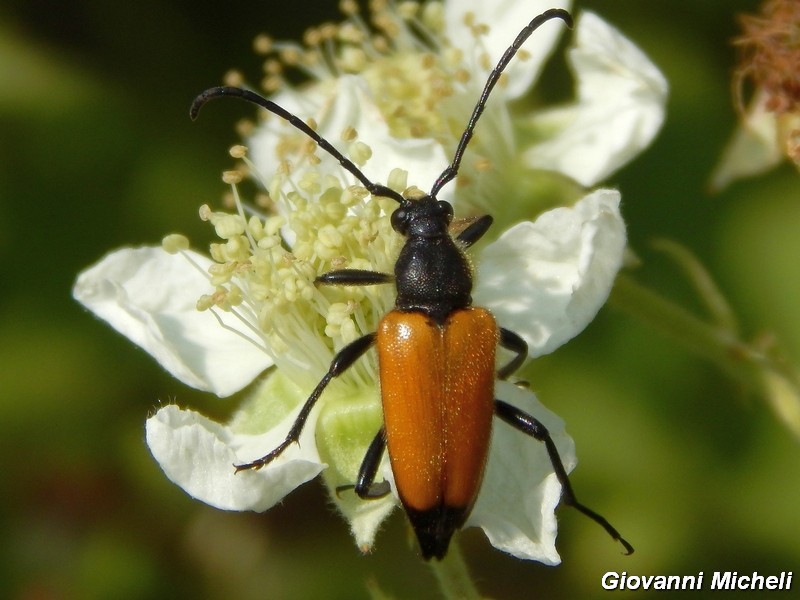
<point x="365" y="486"/>
<point x="528" y="424"/>
<point x="340" y="363"/>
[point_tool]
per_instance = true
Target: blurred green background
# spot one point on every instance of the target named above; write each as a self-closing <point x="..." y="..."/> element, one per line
<point x="97" y="151"/>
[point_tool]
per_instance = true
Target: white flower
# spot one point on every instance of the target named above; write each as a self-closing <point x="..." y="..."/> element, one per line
<point x="545" y="279"/>
<point x="217" y="323"/>
<point x="619" y="109"/>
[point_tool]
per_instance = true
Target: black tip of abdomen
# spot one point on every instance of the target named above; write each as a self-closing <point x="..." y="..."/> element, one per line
<point x="435" y="527"/>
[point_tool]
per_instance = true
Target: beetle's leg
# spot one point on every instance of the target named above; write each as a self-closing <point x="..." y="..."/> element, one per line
<point x="365" y="486"/>
<point x="475" y="231"/>
<point x="354" y="277"/>
<point x="527" y="424"/>
<point x="340" y="363"/>
<point x="512" y="341"/>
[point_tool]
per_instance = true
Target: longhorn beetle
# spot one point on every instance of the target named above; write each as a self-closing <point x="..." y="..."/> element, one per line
<point x="437" y="455"/>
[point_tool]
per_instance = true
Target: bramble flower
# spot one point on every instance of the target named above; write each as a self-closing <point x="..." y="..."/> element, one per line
<point x="769" y="131"/>
<point x="250" y="307"/>
<point x="544" y="279"/>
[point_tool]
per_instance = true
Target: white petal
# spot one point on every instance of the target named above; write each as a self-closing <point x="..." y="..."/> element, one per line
<point x="619" y="110"/>
<point x="520" y="491"/>
<point x="198" y="455"/>
<point x="150" y="297"/>
<point x="753" y="149"/>
<point x="346" y="102"/>
<point x="546" y="280"/>
<point x="505" y="19"/>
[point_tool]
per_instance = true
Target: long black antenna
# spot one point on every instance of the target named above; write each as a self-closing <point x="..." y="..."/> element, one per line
<point x="235" y="92"/>
<point x="452" y="170"/>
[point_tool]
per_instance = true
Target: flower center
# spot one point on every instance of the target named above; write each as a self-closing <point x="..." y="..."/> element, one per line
<point x="265" y="266"/>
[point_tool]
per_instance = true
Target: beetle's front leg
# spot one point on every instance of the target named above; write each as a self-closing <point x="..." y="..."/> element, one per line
<point x="340" y="363"/>
<point x="354" y="277"/>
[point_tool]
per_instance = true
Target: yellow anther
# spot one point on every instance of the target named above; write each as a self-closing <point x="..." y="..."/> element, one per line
<point x="353" y="60"/>
<point x="433" y="16"/>
<point x="349" y="134"/>
<point x="312" y="37"/>
<point x="233" y="78"/>
<point x="204" y="302"/>
<point x="330" y="237"/>
<point x="308" y="147"/>
<point x="338" y="262"/>
<point x="357" y="191"/>
<point x="272" y="84"/>
<point x="232" y="177"/>
<point x="349" y="32"/>
<point x="272" y="67"/>
<point x="290" y="56"/>
<point x="174" y="243"/>
<point x="328" y="31"/>
<point x="238" y="151"/>
<point x="398" y="180"/>
<point x="262" y="44"/>
<point x="414" y="193"/>
<point x="348" y="7"/>
<point x="245" y="128"/>
<point x="360" y="153"/>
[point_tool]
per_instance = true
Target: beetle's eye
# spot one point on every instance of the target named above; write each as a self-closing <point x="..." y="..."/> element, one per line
<point x="446" y="209"/>
<point x="400" y="220"/>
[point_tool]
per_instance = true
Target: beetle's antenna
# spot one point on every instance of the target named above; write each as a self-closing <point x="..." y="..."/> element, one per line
<point x="235" y="92"/>
<point x="452" y="170"/>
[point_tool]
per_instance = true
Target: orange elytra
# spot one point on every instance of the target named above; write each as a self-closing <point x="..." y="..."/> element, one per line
<point x="437" y="387"/>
